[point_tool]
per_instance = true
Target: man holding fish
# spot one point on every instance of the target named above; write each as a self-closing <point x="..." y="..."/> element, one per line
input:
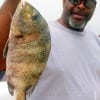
<point x="73" y="68"/>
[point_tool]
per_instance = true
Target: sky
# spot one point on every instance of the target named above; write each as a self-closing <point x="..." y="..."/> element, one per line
<point x="52" y="9"/>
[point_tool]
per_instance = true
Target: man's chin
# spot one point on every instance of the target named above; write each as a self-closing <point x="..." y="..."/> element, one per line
<point x="77" y="24"/>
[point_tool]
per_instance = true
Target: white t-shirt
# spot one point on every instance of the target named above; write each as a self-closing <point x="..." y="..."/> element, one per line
<point x="73" y="68"/>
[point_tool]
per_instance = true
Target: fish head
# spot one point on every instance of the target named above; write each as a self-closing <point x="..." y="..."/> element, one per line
<point x="27" y="20"/>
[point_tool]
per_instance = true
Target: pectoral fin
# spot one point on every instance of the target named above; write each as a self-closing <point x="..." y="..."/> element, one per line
<point x="10" y="88"/>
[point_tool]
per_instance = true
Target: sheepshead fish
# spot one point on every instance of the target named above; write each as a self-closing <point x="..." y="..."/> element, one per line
<point x="26" y="50"/>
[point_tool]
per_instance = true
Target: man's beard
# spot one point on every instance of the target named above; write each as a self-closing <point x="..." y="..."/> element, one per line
<point x="77" y="24"/>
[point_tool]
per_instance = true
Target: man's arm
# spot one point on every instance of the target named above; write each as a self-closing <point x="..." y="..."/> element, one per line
<point x="6" y="11"/>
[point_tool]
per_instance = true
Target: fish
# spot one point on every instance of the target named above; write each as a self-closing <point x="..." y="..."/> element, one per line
<point x="27" y="50"/>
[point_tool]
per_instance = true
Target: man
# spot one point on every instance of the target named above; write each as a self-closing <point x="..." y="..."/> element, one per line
<point x="73" y="68"/>
<point x="6" y="11"/>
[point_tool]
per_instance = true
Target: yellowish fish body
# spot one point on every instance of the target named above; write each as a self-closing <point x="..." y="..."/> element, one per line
<point x="28" y="50"/>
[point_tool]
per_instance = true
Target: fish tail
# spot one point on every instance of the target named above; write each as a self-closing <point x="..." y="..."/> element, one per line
<point x="20" y="95"/>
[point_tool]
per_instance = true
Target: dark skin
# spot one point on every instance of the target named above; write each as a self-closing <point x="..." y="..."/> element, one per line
<point x="70" y="10"/>
<point x="6" y="11"/>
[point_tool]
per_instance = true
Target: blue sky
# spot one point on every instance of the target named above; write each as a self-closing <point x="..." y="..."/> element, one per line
<point x="51" y="10"/>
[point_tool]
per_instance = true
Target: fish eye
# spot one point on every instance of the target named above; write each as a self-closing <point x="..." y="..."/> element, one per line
<point x="34" y="17"/>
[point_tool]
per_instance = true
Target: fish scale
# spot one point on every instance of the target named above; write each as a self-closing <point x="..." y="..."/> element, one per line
<point x="27" y="50"/>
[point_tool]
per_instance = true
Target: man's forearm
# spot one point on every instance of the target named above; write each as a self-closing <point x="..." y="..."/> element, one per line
<point x="9" y="5"/>
<point x="6" y="11"/>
